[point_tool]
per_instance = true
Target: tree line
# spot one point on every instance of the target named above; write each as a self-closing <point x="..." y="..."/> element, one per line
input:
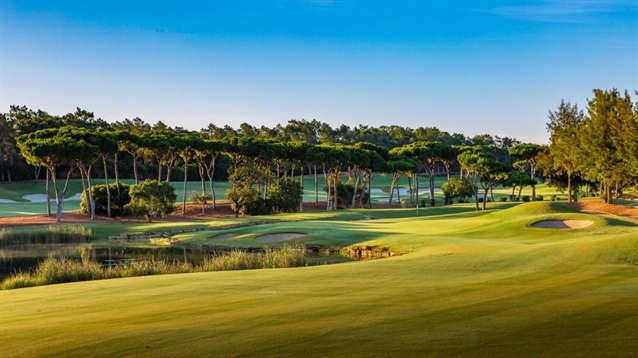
<point x="597" y="149"/>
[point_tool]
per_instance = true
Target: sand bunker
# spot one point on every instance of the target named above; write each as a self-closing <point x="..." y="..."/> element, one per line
<point x="563" y="224"/>
<point x="283" y="236"/>
<point x="227" y="235"/>
<point x="41" y="198"/>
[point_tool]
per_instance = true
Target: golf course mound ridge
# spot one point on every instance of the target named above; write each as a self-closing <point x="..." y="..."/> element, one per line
<point x="562" y="224"/>
<point x="227" y="235"/>
<point x="282" y="236"/>
<point x="537" y="208"/>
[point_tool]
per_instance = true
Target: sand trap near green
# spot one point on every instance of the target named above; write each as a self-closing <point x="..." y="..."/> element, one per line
<point x="283" y="236"/>
<point x="562" y="224"/>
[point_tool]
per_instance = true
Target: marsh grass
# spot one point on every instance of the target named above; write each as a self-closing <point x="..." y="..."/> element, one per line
<point x="46" y="235"/>
<point x="61" y="270"/>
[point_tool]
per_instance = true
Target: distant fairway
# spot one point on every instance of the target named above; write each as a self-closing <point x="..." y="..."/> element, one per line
<point x="15" y="197"/>
<point x="469" y="284"/>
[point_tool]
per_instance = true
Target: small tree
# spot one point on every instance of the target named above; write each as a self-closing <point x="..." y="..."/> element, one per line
<point x="284" y="196"/>
<point x="151" y="198"/>
<point x="100" y="198"/>
<point x="457" y="188"/>
<point x="203" y="198"/>
<point x="517" y="179"/>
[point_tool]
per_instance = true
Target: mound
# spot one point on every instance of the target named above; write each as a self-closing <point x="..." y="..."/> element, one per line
<point x="562" y="224"/>
<point x="538" y="208"/>
<point x="597" y="206"/>
<point x="283" y="236"/>
<point x="227" y="235"/>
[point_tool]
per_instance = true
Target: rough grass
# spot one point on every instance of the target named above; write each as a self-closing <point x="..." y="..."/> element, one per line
<point x="45" y="235"/>
<point x="61" y="270"/>
<point x="470" y="284"/>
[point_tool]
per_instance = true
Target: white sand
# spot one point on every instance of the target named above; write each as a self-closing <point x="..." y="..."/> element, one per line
<point x="563" y="224"/>
<point x="42" y="198"/>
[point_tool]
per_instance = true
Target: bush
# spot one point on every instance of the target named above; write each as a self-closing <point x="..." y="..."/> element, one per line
<point x="284" y="196"/>
<point x="457" y="188"/>
<point x="480" y="200"/>
<point x="151" y="198"/>
<point x="423" y="202"/>
<point x="526" y="198"/>
<point x="502" y="199"/>
<point x="432" y="202"/>
<point x="99" y="193"/>
<point x="552" y="198"/>
<point x="539" y="197"/>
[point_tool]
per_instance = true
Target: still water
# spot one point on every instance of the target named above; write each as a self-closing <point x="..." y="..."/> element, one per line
<point x="27" y="257"/>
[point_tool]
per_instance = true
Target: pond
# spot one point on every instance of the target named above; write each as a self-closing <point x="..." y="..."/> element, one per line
<point x="27" y="257"/>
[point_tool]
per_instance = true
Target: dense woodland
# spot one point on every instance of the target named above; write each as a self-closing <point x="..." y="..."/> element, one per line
<point x="595" y="151"/>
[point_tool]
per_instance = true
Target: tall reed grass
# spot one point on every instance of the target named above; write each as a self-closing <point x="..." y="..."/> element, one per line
<point x="60" y="270"/>
<point x="51" y="234"/>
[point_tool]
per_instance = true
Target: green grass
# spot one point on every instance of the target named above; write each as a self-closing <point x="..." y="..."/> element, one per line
<point x="470" y="284"/>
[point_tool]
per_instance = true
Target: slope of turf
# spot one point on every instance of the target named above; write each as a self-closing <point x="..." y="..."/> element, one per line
<point x="470" y="284"/>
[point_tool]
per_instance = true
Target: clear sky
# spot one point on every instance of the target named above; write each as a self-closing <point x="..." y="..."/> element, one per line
<point x="469" y="67"/>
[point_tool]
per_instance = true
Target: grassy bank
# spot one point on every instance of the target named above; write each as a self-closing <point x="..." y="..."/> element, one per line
<point x="62" y="270"/>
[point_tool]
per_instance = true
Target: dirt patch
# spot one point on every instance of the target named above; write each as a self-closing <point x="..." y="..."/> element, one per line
<point x="283" y="236"/>
<point x="228" y="235"/>
<point x="594" y="206"/>
<point x="563" y="224"/>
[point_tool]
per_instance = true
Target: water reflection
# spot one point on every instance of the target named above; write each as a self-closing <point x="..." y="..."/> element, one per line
<point x="27" y="257"/>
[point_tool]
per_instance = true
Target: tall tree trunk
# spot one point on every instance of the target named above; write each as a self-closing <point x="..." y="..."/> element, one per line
<point x="116" y="170"/>
<point x="184" y="192"/>
<point x="416" y="188"/>
<point x="569" y="187"/>
<point x="137" y="178"/>
<point x="325" y="178"/>
<point x="316" y="188"/>
<point x="48" y="191"/>
<point x="337" y="175"/>
<point x="302" y="188"/>
<point x="354" y="195"/>
<point x="108" y="189"/>
<point x="90" y="193"/>
<point x="392" y="183"/>
<point x="84" y="191"/>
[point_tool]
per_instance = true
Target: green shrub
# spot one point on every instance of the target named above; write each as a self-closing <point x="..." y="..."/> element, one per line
<point x="151" y="198"/>
<point x="539" y="197"/>
<point x="553" y="197"/>
<point x="526" y="198"/>
<point x="100" y="198"/>
<point x="502" y="199"/>
<point x="284" y="196"/>
<point x="457" y="188"/>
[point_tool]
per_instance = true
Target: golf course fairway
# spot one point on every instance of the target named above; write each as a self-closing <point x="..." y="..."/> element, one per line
<point x="468" y="284"/>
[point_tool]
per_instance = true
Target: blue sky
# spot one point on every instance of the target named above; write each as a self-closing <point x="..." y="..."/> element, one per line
<point x="469" y="67"/>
